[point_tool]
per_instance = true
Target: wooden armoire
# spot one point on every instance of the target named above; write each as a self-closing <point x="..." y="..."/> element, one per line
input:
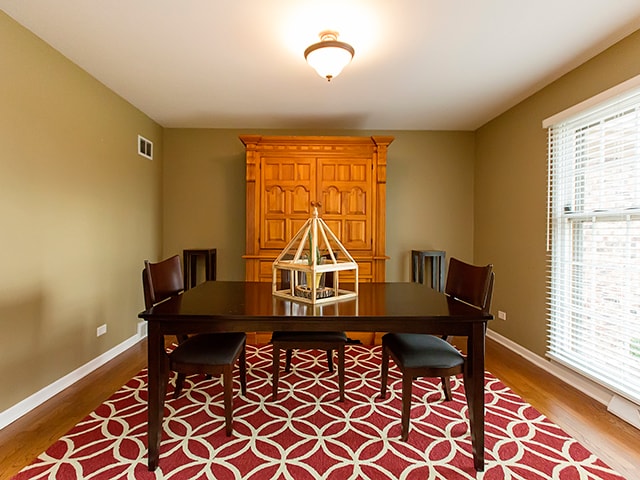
<point x="347" y="175"/>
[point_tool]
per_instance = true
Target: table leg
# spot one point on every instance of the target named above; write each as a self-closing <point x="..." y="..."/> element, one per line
<point x="474" y="386"/>
<point x="157" y="386"/>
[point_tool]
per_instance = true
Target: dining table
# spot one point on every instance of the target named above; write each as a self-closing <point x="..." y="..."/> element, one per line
<point x="240" y="306"/>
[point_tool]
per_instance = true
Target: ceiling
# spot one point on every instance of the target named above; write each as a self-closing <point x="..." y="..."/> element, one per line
<point x="418" y="65"/>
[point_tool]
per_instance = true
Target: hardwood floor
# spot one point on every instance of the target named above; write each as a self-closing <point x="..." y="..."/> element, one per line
<point x="614" y="441"/>
<point x="23" y="440"/>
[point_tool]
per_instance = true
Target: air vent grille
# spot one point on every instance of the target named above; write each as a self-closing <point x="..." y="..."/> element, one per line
<point x="145" y="147"/>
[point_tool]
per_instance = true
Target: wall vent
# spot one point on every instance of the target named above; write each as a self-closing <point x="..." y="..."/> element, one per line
<point x="145" y="147"/>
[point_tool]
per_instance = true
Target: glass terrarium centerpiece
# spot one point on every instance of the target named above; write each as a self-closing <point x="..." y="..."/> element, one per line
<point x="309" y="267"/>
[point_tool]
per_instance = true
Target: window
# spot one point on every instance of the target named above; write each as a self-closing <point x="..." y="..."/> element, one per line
<point x="594" y="240"/>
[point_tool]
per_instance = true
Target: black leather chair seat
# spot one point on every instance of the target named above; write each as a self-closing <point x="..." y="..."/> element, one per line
<point x="282" y="336"/>
<point x="214" y="349"/>
<point x="414" y="350"/>
<point x="288" y="341"/>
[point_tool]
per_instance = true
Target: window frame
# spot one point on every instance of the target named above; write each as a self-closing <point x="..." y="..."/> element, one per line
<point x="572" y="218"/>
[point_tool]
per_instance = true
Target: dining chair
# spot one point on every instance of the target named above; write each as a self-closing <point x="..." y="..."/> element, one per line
<point x="423" y="355"/>
<point x="289" y="341"/>
<point x="210" y="353"/>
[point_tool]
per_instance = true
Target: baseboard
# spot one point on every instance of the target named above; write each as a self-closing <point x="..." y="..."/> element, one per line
<point x="583" y="384"/>
<point x="25" y="406"/>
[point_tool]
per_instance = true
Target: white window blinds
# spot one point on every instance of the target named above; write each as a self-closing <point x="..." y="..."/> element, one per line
<point x="594" y="237"/>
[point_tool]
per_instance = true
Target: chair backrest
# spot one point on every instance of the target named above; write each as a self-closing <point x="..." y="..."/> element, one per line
<point x="161" y="280"/>
<point x="470" y="283"/>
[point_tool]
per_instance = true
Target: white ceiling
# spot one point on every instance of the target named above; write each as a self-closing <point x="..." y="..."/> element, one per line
<point x="419" y="64"/>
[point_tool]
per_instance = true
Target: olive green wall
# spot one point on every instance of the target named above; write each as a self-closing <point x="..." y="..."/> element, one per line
<point x="429" y="194"/>
<point x="79" y="210"/>
<point x="511" y="183"/>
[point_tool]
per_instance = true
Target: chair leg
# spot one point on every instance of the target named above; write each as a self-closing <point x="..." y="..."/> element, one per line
<point x="330" y="360"/>
<point x="341" y="371"/>
<point x="227" y="378"/>
<point x="287" y="364"/>
<point x="446" y="386"/>
<point x="384" y="372"/>
<point x="243" y="371"/>
<point x="276" y="371"/>
<point x="179" y="385"/>
<point x="407" y="383"/>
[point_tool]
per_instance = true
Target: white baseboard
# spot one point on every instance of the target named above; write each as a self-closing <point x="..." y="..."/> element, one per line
<point x="586" y="386"/>
<point x="621" y="407"/>
<point x="25" y="406"/>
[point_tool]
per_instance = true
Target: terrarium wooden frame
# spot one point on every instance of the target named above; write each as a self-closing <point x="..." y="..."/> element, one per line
<point x="312" y="252"/>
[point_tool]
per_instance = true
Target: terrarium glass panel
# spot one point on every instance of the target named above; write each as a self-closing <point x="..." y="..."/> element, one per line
<point x="308" y="269"/>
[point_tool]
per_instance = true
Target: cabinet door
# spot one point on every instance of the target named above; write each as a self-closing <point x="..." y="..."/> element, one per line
<point x="289" y="187"/>
<point x="346" y="195"/>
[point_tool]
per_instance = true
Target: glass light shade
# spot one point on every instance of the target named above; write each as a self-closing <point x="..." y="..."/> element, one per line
<point x="329" y="61"/>
<point x="329" y="56"/>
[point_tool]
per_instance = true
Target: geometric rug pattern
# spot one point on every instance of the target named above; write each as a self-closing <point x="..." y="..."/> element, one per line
<point x="308" y="434"/>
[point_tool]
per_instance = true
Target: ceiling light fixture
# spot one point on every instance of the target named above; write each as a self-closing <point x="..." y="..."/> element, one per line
<point x="329" y="56"/>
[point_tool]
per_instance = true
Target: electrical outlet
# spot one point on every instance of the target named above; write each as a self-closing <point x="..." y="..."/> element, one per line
<point x="502" y="315"/>
<point x="101" y="330"/>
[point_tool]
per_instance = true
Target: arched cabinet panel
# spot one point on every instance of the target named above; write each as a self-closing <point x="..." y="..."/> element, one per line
<point x="331" y="201"/>
<point x="274" y="200"/>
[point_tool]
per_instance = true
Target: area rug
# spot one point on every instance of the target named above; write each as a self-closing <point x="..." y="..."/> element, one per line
<point x="308" y="434"/>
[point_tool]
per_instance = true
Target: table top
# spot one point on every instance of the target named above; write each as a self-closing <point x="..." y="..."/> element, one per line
<point x="251" y="306"/>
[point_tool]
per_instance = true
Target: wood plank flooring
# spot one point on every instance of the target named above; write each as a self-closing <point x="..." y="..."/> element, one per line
<point x="613" y="440"/>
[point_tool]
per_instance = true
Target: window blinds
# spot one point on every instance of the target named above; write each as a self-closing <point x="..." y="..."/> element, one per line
<point x="594" y="239"/>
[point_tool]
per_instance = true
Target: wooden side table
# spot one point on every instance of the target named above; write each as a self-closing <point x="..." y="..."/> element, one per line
<point x="190" y="261"/>
<point x="437" y="259"/>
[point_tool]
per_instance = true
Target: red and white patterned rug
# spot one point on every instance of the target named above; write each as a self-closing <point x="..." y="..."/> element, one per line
<point x="308" y="434"/>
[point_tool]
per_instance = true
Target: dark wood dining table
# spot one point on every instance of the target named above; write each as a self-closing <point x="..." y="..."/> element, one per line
<point x="225" y="306"/>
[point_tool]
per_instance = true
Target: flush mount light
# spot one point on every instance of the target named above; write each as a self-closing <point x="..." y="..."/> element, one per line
<point x="329" y="56"/>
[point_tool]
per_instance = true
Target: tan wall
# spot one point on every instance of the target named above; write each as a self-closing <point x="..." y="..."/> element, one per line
<point x="511" y="182"/>
<point x="429" y="194"/>
<point x="79" y="210"/>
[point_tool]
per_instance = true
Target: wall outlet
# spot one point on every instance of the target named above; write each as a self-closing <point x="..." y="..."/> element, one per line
<point x="502" y="315"/>
<point x="101" y="330"/>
